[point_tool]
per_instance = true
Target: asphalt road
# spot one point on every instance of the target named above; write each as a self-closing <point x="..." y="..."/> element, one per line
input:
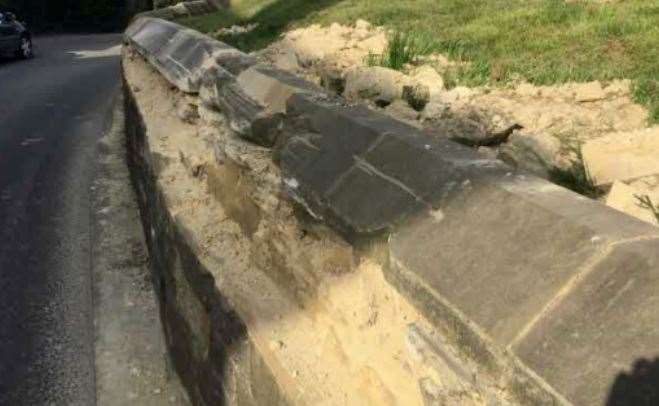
<point x="53" y="109"/>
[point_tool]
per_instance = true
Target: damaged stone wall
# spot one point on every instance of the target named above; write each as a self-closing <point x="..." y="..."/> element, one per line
<point x="313" y="251"/>
<point x="260" y="301"/>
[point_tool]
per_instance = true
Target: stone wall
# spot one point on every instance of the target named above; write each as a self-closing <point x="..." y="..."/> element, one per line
<point x="318" y="252"/>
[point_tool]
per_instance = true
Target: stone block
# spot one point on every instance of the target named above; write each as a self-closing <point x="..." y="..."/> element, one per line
<point x="181" y="55"/>
<point x="255" y="100"/>
<point x="149" y="35"/>
<point x="495" y="257"/>
<point x="272" y="87"/>
<point x="601" y="328"/>
<point x="234" y="61"/>
<point x="622" y="156"/>
<point x="382" y="85"/>
<point x="365" y="172"/>
<point x="247" y="117"/>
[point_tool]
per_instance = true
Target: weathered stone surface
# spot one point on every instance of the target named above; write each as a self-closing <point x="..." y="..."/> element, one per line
<point x="181" y="55"/>
<point x="234" y="61"/>
<point x="254" y="102"/>
<point x="382" y="85"/>
<point x="247" y="117"/>
<point x="496" y="255"/>
<point x="211" y="84"/>
<point x="273" y="87"/>
<point x="428" y="77"/>
<point x="510" y="290"/>
<point x="417" y="96"/>
<point x="400" y="110"/>
<point x="606" y="323"/>
<point x="622" y="156"/>
<point x="365" y="172"/>
<point x="149" y="35"/>
<point x="536" y="153"/>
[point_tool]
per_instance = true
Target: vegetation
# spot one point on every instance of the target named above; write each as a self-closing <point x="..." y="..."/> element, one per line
<point x="645" y="202"/>
<point x="403" y="48"/>
<point x="544" y="41"/>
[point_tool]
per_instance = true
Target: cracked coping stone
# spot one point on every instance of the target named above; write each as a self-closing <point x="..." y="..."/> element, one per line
<point x="365" y="172"/>
<point x="255" y="100"/>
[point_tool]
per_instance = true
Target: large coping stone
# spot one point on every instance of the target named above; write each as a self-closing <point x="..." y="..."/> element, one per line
<point x="180" y="54"/>
<point x="491" y="265"/>
<point x="365" y="172"/>
<point x="608" y="322"/>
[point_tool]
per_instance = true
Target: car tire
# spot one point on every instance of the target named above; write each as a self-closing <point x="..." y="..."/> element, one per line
<point x="25" y="50"/>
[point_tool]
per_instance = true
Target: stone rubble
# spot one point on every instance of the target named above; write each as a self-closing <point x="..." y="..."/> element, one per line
<point x="622" y="156"/>
<point x="540" y="127"/>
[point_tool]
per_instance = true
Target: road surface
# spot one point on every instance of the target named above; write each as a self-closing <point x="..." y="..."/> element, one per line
<point x="53" y="109"/>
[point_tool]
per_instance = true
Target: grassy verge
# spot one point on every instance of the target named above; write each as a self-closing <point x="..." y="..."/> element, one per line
<point x="544" y="41"/>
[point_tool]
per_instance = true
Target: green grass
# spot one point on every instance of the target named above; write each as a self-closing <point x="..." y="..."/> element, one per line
<point x="544" y="41"/>
<point x="403" y="49"/>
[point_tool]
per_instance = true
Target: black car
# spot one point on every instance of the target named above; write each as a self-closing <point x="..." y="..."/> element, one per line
<point x="15" y="39"/>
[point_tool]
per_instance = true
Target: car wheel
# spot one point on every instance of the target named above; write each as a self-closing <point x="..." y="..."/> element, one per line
<point x="25" y="50"/>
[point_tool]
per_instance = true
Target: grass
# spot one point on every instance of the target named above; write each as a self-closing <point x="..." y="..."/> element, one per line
<point x="403" y="49"/>
<point x="543" y="41"/>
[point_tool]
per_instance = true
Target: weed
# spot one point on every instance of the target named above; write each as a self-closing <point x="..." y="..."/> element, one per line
<point x="476" y="73"/>
<point x="403" y="49"/>
<point x="646" y="91"/>
<point x="645" y="202"/>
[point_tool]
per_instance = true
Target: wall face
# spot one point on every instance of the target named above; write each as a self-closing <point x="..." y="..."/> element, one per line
<point x="310" y="251"/>
<point x="260" y="301"/>
<point x="208" y="341"/>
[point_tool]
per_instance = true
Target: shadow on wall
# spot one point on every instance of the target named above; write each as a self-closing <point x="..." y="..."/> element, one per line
<point x="640" y="387"/>
<point x="272" y="21"/>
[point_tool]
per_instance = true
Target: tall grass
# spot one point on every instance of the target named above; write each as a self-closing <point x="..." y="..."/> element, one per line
<point x="403" y="49"/>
